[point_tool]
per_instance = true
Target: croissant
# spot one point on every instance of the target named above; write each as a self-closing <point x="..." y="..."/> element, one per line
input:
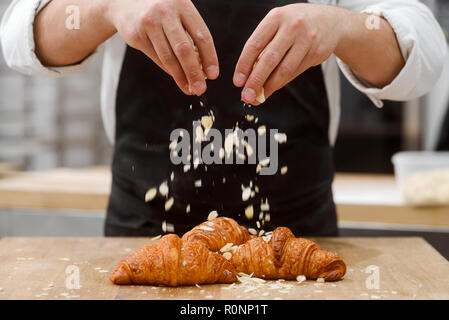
<point x="174" y="262"/>
<point x="286" y="257"/>
<point x="214" y="234"/>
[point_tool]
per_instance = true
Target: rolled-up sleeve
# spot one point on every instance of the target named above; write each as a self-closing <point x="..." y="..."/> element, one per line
<point x="421" y="41"/>
<point x="17" y="40"/>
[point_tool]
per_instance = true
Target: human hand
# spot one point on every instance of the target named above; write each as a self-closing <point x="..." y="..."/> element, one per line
<point x="287" y="42"/>
<point x="167" y="31"/>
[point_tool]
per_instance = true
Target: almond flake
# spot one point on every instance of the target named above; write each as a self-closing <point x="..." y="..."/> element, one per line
<point x="261" y="97"/>
<point x="261" y="130"/>
<point x="156" y="238"/>
<point x="246" y="193"/>
<point x="249" y="212"/>
<point x="284" y="170"/>
<point x="150" y="195"/>
<point x="169" y="204"/>
<point x="163" y="189"/>
<point x="227" y="255"/>
<point x="252" y="231"/>
<point x="205" y="228"/>
<point x="188" y="208"/>
<point x="320" y="280"/>
<point x="280" y="137"/>
<point x="212" y="215"/>
<point x="198" y="183"/>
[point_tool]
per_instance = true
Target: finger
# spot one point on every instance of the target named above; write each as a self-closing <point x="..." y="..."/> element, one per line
<point x="168" y="59"/>
<point x="287" y="70"/>
<point x="269" y="60"/>
<point x="263" y="34"/>
<point x="184" y="51"/>
<point x="200" y="34"/>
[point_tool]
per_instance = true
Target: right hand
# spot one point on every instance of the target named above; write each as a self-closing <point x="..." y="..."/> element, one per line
<point x="164" y="30"/>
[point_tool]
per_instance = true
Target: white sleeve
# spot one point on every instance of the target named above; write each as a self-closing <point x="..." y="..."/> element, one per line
<point x="422" y="44"/>
<point x="17" y="40"/>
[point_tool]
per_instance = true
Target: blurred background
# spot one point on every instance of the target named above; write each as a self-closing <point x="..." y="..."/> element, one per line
<point x="56" y="123"/>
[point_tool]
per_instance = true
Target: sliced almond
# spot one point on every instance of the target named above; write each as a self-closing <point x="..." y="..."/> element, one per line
<point x="249" y="212"/>
<point x="212" y="215"/>
<point x="169" y="204"/>
<point x="227" y="255"/>
<point x="150" y="195"/>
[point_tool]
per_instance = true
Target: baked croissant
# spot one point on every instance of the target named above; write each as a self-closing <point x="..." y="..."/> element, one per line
<point x="215" y="233"/>
<point x="286" y="257"/>
<point x="174" y="262"/>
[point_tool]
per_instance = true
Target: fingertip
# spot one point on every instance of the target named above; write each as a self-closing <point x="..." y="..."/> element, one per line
<point x="239" y="79"/>
<point x="212" y="72"/>
<point x="249" y="95"/>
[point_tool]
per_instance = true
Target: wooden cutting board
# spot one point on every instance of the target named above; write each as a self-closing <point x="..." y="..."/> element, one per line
<point x="35" y="268"/>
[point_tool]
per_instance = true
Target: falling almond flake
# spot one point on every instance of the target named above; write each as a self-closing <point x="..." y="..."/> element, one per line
<point x="169" y="204"/>
<point x="258" y="224"/>
<point x="221" y="153"/>
<point x="265" y="162"/>
<point x="207" y="122"/>
<point x="249" y="212"/>
<point x="261" y="130"/>
<point x="280" y="137"/>
<point x="188" y="208"/>
<point x="223" y="180"/>
<point x="212" y="215"/>
<point x="246" y="193"/>
<point x="164" y="226"/>
<point x="284" y="170"/>
<point x="258" y="168"/>
<point x="261" y="232"/>
<point x="229" y="144"/>
<point x="265" y="206"/>
<point x="170" y="227"/>
<point x="201" y="103"/>
<point x="261" y="97"/>
<point x="267" y="217"/>
<point x="150" y="195"/>
<point x="190" y="107"/>
<point x="198" y="183"/>
<point x="249" y="117"/>
<point x="186" y="167"/>
<point x="199" y="134"/>
<point x="172" y="176"/>
<point x="163" y="189"/>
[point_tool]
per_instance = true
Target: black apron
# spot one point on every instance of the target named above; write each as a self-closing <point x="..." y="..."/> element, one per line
<point x="149" y="106"/>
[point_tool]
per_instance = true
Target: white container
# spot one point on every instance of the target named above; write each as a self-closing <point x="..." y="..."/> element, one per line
<point x="423" y="177"/>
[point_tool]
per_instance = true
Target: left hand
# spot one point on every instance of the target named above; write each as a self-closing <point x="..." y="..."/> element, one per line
<point x="287" y="42"/>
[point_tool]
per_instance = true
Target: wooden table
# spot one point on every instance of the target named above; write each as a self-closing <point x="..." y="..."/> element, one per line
<point x="35" y="268"/>
<point x="361" y="199"/>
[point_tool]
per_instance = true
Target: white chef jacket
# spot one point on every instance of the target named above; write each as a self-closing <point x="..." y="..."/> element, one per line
<point x="420" y="38"/>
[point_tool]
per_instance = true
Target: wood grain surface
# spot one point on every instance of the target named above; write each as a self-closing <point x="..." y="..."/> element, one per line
<point x="35" y="268"/>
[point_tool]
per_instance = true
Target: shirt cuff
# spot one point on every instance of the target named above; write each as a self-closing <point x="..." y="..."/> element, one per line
<point x="401" y="86"/>
<point x="23" y="57"/>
